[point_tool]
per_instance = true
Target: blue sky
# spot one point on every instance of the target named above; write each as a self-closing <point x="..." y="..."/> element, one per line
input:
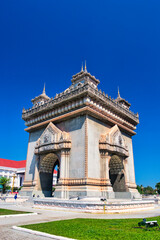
<point x="46" y="41"/>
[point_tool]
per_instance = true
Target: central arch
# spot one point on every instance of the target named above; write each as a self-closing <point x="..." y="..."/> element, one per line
<point x="46" y="168"/>
<point x="116" y="174"/>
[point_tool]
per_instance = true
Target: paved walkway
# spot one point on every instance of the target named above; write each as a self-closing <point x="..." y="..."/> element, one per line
<point x="45" y="215"/>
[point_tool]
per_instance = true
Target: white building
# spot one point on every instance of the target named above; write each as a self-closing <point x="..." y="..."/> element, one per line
<point x="15" y="170"/>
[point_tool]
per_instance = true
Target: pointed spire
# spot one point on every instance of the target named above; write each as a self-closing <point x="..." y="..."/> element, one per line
<point x="82" y="67"/>
<point x="23" y="110"/>
<point x="85" y="68"/>
<point x="44" y="89"/>
<point x="118" y="93"/>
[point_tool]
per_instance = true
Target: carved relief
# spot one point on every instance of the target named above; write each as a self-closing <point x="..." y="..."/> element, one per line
<point x="47" y="138"/>
<point x="118" y="139"/>
<point x="113" y="141"/>
<point x="52" y="139"/>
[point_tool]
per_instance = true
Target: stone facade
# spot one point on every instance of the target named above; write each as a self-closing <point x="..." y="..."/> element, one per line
<point x="88" y="135"/>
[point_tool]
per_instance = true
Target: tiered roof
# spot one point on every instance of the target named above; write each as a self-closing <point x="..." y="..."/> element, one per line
<point x="83" y="96"/>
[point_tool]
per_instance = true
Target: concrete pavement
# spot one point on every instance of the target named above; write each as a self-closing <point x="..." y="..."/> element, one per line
<point x="49" y="214"/>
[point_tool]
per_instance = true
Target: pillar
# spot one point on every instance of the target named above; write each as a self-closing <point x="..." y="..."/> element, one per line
<point x="125" y="163"/>
<point x="36" y="175"/>
<point x="62" y="188"/>
<point x="107" y="190"/>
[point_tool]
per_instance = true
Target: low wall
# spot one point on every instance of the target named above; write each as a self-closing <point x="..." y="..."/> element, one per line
<point x="98" y="206"/>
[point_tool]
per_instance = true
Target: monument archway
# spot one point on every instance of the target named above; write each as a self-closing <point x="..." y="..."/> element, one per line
<point x="70" y="125"/>
<point x="113" y="146"/>
<point x="46" y="168"/>
<point x="116" y="174"/>
<point x="52" y="149"/>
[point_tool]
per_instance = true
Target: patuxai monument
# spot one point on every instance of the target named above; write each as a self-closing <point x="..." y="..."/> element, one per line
<point x="87" y="136"/>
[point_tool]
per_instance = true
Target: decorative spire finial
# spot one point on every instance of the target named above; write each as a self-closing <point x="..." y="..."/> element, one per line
<point x="82" y="67"/>
<point x="23" y="110"/>
<point x="85" y="68"/>
<point x="44" y="89"/>
<point x="118" y="93"/>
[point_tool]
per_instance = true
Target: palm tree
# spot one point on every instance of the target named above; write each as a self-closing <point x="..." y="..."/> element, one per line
<point x="4" y="182"/>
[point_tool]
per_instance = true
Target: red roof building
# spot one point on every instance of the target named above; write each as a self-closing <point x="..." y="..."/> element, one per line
<point x="10" y="168"/>
<point x="14" y="170"/>
<point x="12" y="163"/>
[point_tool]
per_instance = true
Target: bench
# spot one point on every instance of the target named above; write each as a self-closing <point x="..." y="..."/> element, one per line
<point x="148" y="223"/>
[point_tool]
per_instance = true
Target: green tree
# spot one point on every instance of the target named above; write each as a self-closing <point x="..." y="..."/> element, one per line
<point x="4" y="182"/>
<point x="148" y="190"/>
<point x="158" y="187"/>
<point x="140" y="189"/>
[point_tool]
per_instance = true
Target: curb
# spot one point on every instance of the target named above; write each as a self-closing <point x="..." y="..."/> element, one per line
<point x="41" y="233"/>
<point x="18" y="215"/>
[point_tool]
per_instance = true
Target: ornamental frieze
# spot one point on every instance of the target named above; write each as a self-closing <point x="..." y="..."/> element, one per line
<point x="113" y="142"/>
<point x="52" y="139"/>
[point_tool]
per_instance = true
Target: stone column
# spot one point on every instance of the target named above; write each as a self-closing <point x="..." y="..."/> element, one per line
<point x="64" y="173"/>
<point x="36" y="175"/>
<point x="107" y="189"/>
<point x="125" y="163"/>
<point x="103" y="165"/>
<point x="108" y="157"/>
<point x="64" y="166"/>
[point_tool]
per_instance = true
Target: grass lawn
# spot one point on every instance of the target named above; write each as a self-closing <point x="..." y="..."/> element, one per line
<point x="99" y="229"/>
<point x="9" y="212"/>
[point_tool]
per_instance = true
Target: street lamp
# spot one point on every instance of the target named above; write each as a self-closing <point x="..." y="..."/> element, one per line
<point x="142" y="189"/>
<point x="14" y="176"/>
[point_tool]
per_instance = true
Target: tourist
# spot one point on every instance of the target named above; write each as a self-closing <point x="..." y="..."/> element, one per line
<point x="15" y="196"/>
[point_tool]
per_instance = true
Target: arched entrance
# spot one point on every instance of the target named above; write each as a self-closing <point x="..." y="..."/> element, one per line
<point x="116" y="174"/>
<point x="46" y="168"/>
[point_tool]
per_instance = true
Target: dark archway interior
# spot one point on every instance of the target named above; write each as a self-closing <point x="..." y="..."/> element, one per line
<point x="47" y="166"/>
<point x="116" y="174"/>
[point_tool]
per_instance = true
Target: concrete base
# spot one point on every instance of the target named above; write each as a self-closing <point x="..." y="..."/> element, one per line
<point x="123" y="195"/>
<point x="80" y="192"/>
<point x="29" y="191"/>
<point x="65" y="192"/>
<point x="26" y="193"/>
<point x="69" y="192"/>
<point x="83" y="192"/>
<point x="43" y="194"/>
<point x="93" y="205"/>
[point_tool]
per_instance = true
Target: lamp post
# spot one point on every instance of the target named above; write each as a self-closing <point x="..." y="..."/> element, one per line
<point x="14" y="175"/>
<point x="142" y="189"/>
